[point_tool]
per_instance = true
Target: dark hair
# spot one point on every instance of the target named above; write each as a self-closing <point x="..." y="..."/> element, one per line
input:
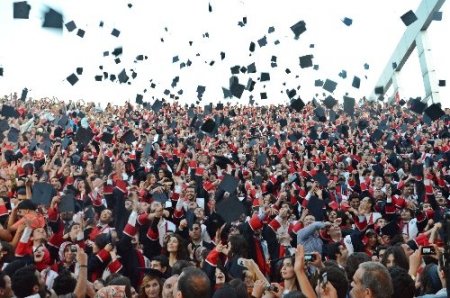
<point x="294" y="294"/>
<point x="64" y="283"/>
<point x="2" y="280"/>
<point x="194" y="283"/>
<point x="337" y="278"/>
<point x="429" y="280"/>
<point x="239" y="247"/>
<point x="121" y="281"/>
<point x="332" y="250"/>
<point x="353" y="262"/>
<point x="400" y="258"/>
<point x="182" y="252"/>
<point x="240" y="288"/>
<point x="404" y="284"/>
<point x="162" y="259"/>
<point x="179" y="266"/>
<point x="24" y="281"/>
<point x="226" y="291"/>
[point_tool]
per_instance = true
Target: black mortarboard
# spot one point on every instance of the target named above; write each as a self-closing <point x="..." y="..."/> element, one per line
<point x="390" y="144"/>
<point x="363" y="124"/>
<point x="67" y="203"/>
<point x="160" y="197"/>
<point x="379" y="90"/>
<point x="235" y="69"/>
<point x="107" y="137"/>
<point x="123" y="77"/>
<point x="332" y="116"/>
<point x="417" y="106"/>
<point x="72" y="79"/>
<point x="417" y="170"/>
<point x="237" y="89"/>
<point x="208" y="126"/>
<point x="261" y="160"/>
<point x="262" y="42"/>
<point x="434" y="111"/>
<point x="263" y="95"/>
<point x="222" y="161"/>
<point x="298" y="28"/>
<point x="320" y="114"/>
<point x="230" y="209"/>
<point x="330" y="102"/>
<point x="251" y="68"/>
<point x="329" y="85"/>
<point x="315" y="207"/>
<point x="4" y="126"/>
<point x="21" y="10"/>
<point x="283" y="122"/>
<point x="291" y="93"/>
<point x="9" y="112"/>
<point x="70" y="26"/>
<point x="441" y="83"/>
<point x="347" y="21"/>
<point x="229" y="183"/>
<point x="378" y="169"/>
<point x="318" y="83"/>
<point x="129" y="137"/>
<point x="409" y="17"/>
<point x="376" y="135"/>
<point x="437" y="16"/>
<point x="83" y="135"/>
<point x="115" y="32"/>
<point x="349" y="105"/>
<point x="322" y="179"/>
<point x="13" y="135"/>
<point x="356" y="82"/>
<point x="297" y="104"/>
<point x="24" y="94"/>
<point x="265" y="76"/>
<point x="42" y="193"/>
<point x="306" y="61"/>
<point x="157" y="106"/>
<point x="343" y="74"/>
<point x="390" y="229"/>
<point x="53" y="19"/>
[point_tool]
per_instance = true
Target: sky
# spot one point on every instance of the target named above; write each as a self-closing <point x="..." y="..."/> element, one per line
<point x="41" y="59"/>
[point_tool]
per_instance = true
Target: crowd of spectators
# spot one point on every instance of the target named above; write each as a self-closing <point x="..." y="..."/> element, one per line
<point x="173" y="201"/>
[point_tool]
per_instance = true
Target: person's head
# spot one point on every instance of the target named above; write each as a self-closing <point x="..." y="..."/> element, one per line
<point x="121" y="281"/>
<point x="195" y="231"/>
<point x="160" y="263"/>
<point x="404" y="284"/>
<point x="5" y="286"/>
<point x="237" y="246"/>
<point x="175" y="245"/>
<point x="294" y="294"/>
<point x="337" y="278"/>
<point x="240" y="288"/>
<point x="25" y="282"/>
<point x="395" y="256"/>
<point x="39" y="234"/>
<point x="151" y="287"/>
<point x="64" y="283"/>
<point x="180" y="266"/>
<point x="105" y="216"/>
<point x="193" y="283"/>
<point x="353" y="262"/>
<point x="309" y="219"/>
<point x="406" y="214"/>
<point x="337" y="251"/>
<point x="371" y="280"/>
<point x="429" y="279"/>
<point x="287" y="269"/>
<point x="168" y="286"/>
<point x="354" y="202"/>
<point x="285" y="211"/>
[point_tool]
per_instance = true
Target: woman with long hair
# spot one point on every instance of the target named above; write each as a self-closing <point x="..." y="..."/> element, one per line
<point x="395" y="256"/>
<point x="175" y="249"/>
<point x="151" y="287"/>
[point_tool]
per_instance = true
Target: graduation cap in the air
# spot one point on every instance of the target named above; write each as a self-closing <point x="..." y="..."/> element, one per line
<point x="21" y="10"/>
<point x="347" y="21"/>
<point x="72" y="79"/>
<point x="9" y="112"/>
<point x="316" y="208"/>
<point x="4" y="126"/>
<point x="330" y="102"/>
<point x="123" y="77"/>
<point x="42" y="193"/>
<point x="356" y="82"/>
<point x="376" y="135"/>
<point x="115" y="32"/>
<point x="67" y="203"/>
<point x="230" y="209"/>
<point x="83" y="135"/>
<point x="417" y="106"/>
<point x="265" y="76"/>
<point x="208" y="126"/>
<point x="379" y="90"/>
<point x="409" y="17"/>
<point x="391" y="229"/>
<point x="329" y="85"/>
<point x="306" y="61"/>
<point x="222" y="161"/>
<point x="13" y="135"/>
<point x="298" y="28"/>
<point x="434" y="111"/>
<point x="157" y="106"/>
<point x="349" y="105"/>
<point x="70" y="26"/>
<point x="320" y="114"/>
<point x="53" y="19"/>
<point x="441" y="83"/>
<point x="229" y="183"/>
<point x="322" y="179"/>
<point x="297" y="104"/>
<point x="129" y="137"/>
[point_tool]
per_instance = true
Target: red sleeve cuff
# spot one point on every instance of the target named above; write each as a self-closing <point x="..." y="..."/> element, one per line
<point x="103" y="255"/>
<point x="115" y="266"/>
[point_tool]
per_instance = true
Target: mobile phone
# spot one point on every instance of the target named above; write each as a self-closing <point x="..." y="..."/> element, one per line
<point x="73" y="248"/>
<point x="324" y="280"/>
<point x="310" y="257"/>
<point x="240" y="262"/>
<point x="271" y="288"/>
<point x="428" y="250"/>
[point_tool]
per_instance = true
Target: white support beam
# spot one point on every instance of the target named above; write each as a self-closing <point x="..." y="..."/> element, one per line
<point x="407" y="43"/>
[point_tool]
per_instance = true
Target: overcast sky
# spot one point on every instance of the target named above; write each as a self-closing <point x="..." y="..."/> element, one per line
<point x="41" y="59"/>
